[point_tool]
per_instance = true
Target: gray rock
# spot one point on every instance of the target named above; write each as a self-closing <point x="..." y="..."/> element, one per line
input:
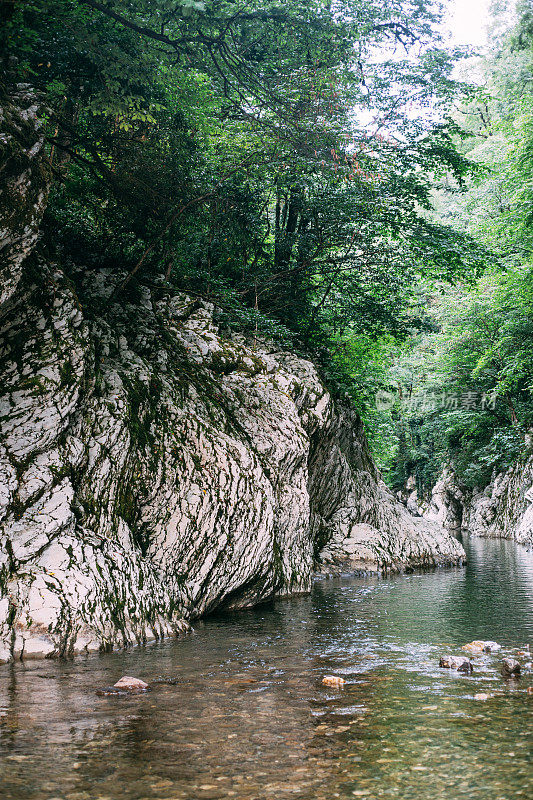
<point x="503" y="509"/>
<point x="510" y="668"/>
<point x="25" y="182"/>
<point x="154" y="467"/>
<point x="458" y="663"/>
<point x="193" y="488"/>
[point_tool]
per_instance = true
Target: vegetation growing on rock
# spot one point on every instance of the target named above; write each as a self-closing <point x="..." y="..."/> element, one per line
<point x="222" y="222"/>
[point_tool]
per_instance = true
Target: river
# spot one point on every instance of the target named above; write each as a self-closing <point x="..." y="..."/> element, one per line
<point x="245" y="714"/>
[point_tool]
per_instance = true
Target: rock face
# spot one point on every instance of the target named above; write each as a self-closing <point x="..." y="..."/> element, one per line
<point x="502" y="509"/>
<point x="24" y="184"/>
<point x="447" y="503"/>
<point x="356" y="522"/>
<point x="154" y="468"/>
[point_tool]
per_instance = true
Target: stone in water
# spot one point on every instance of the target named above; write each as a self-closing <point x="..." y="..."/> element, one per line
<point x="129" y="684"/>
<point x="474" y="647"/>
<point x="479" y="646"/>
<point x="510" y="668"/>
<point x="459" y="663"/>
<point x="333" y="680"/>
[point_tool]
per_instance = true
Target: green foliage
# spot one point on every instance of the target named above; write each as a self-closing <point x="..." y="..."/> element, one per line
<point x="465" y="393"/>
<point x="266" y="156"/>
<point x="281" y="160"/>
<point x="462" y="395"/>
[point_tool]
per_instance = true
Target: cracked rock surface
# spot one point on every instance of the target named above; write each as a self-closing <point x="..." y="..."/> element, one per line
<point x="24" y="181"/>
<point x="154" y="468"/>
<point x="503" y="509"/>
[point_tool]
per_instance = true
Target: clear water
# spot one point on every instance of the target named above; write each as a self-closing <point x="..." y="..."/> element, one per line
<point x="249" y="718"/>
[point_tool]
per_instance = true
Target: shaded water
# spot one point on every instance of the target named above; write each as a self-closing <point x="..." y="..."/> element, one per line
<point x="249" y="718"/>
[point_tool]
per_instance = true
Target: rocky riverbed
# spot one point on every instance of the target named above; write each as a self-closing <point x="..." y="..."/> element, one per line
<point x="240" y="709"/>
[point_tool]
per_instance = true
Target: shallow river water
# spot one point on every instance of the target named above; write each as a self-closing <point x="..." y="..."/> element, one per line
<point x="248" y="717"/>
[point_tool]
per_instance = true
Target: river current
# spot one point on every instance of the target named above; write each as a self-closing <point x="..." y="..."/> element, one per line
<point x="244" y="714"/>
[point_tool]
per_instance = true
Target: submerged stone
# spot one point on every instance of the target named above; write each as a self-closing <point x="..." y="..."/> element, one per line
<point x="458" y="663"/>
<point x="125" y="686"/>
<point x="510" y="668"/>
<point x="109" y="690"/>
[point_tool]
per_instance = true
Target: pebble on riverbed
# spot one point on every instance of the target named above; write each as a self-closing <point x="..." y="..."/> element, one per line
<point x="510" y="668"/>
<point x="126" y="684"/>
<point x="479" y="646"/>
<point x="333" y="680"/>
<point x="459" y="663"/>
<point x="131" y="684"/>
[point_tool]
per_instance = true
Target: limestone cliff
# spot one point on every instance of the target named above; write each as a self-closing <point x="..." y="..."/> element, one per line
<point x="502" y="509"/>
<point x="153" y="467"/>
<point x="24" y="181"/>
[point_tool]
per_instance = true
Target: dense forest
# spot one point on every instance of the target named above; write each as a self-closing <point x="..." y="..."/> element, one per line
<point x="320" y="172"/>
<point x="461" y="394"/>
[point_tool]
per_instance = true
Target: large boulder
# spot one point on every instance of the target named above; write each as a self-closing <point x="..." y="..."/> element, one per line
<point x="154" y="467"/>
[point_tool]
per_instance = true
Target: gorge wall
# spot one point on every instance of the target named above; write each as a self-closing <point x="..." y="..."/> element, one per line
<point x="154" y="467"/>
<point x="503" y="509"/>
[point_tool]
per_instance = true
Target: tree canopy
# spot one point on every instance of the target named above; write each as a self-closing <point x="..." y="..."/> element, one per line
<point x="462" y="394"/>
<point x="314" y="169"/>
<point x="277" y="157"/>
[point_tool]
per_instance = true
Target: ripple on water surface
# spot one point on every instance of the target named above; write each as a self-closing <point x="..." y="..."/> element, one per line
<point x="248" y="717"/>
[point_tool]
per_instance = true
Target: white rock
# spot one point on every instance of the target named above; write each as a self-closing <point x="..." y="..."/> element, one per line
<point x="130" y="684"/>
<point x="147" y="499"/>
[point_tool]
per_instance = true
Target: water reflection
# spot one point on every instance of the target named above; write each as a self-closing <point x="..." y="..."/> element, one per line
<point x="249" y="717"/>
